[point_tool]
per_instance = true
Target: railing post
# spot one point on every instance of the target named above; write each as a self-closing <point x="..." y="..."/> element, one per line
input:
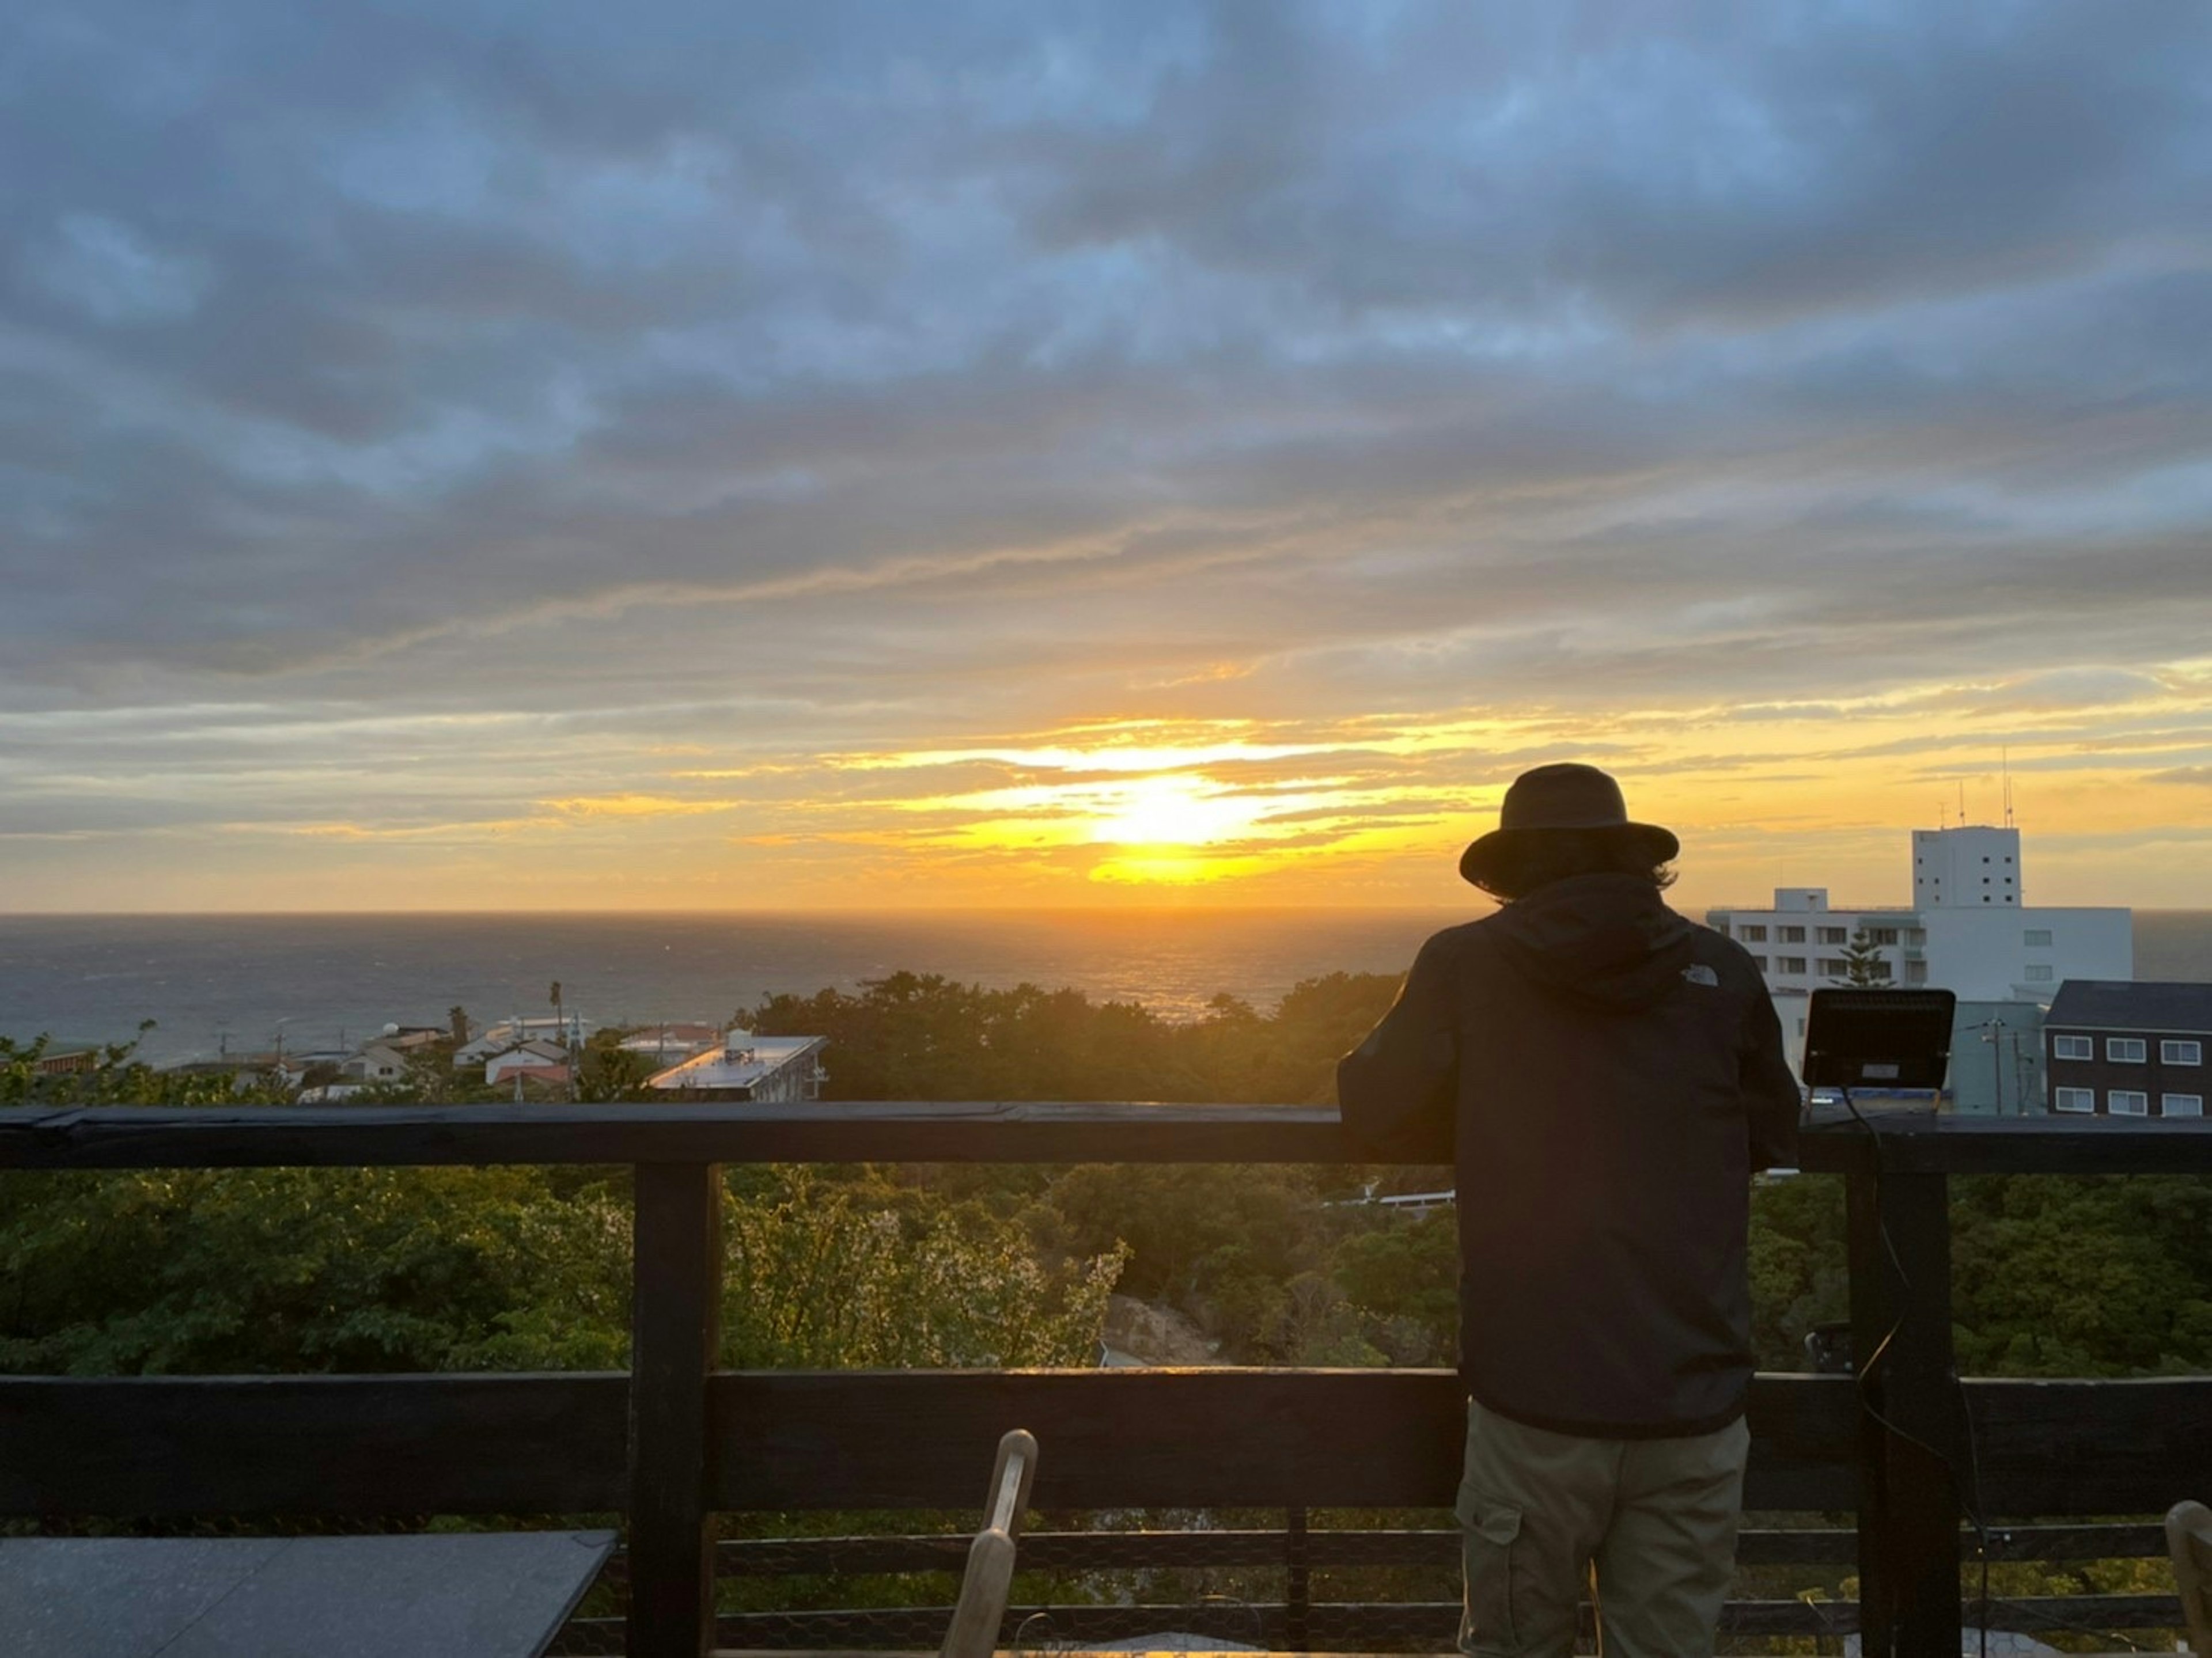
<point x="676" y="1290"/>
<point x="1298" y="1593"/>
<point x="1909" y="1508"/>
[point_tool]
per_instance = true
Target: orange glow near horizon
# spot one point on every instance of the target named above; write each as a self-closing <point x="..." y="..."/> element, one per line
<point x="1096" y="811"/>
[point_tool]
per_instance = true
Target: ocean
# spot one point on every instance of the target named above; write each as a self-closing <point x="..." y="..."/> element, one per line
<point x="324" y="982"/>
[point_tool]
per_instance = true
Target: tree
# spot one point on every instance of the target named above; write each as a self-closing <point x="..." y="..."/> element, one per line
<point x="1863" y="962"/>
<point x="868" y="1275"/>
<point x="605" y="1070"/>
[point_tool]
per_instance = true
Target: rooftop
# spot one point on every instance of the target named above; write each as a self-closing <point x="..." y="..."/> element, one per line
<point x="738" y="1061"/>
<point x="2132" y="1004"/>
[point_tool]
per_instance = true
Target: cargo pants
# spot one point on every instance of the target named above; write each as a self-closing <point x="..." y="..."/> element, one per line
<point x="1654" y="1521"/>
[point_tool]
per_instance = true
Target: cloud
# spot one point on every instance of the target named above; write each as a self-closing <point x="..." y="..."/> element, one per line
<point x="780" y="382"/>
<point x="104" y="268"/>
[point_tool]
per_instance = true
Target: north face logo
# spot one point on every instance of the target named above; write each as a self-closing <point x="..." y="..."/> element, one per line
<point x="1698" y="974"/>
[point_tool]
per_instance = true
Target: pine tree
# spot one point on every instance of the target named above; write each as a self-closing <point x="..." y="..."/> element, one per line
<point x="1862" y="960"/>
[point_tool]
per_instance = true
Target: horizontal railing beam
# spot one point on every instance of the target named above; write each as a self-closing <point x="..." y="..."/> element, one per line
<point x="1928" y="1142"/>
<point x="871" y="1131"/>
<point x="1338" y="1626"/>
<point x="554" y="1442"/>
<point x="789" y="1440"/>
<point x="1169" y="1438"/>
<point x="312" y="1445"/>
<point x="954" y="1130"/>
<point x="1331" y="1547"/>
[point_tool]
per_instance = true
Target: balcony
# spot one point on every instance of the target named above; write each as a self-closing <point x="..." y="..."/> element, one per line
<point x="674" y="1444"/>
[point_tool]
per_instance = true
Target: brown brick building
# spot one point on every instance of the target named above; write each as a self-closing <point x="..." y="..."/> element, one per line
<point x="2129" y="1047"/>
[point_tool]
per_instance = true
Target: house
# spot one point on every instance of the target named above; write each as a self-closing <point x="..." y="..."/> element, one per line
<point x="541" y="1060"/>
<point x="2129" y="1047"/>
<point x="569" y="1031"/>
<point x="744" y="1066"/>
<point x="379" y="1062"/>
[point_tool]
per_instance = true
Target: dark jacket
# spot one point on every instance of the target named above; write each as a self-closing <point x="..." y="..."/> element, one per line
<point x="1607" y="1076"/>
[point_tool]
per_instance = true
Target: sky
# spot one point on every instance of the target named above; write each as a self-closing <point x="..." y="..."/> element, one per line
<point x="770" y="456"/>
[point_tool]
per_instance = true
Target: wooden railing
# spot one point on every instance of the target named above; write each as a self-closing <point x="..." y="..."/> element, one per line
<point x="675" y="1441"/>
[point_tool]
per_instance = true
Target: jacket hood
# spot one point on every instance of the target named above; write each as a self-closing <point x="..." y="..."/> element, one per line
<point x="1604" y="940"/>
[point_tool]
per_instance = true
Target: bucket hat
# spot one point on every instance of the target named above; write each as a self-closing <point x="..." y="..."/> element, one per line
<point x="1567" y="796"/>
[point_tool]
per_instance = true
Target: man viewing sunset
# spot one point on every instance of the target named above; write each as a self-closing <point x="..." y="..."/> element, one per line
<point x="715" y="717"/>
<point x="1606" y="1078"/>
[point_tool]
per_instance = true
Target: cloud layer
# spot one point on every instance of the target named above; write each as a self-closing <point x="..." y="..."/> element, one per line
<point x="443" y="449"/>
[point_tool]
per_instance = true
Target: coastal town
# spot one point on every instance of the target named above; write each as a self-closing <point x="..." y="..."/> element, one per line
<point x="556" y="1058"/>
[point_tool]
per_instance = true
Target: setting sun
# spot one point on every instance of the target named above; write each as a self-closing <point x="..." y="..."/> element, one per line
<point x="1176" y="811"/>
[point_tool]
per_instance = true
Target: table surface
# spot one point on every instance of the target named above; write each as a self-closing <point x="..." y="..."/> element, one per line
<point x="484" y="1594"/>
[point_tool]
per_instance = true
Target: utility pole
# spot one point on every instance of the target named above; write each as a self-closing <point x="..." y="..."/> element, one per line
<point x="1993" y="1034"/>
<point x="568" y="1048"/>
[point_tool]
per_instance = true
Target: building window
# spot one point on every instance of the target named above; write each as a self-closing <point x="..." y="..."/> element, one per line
<point x="2181" y="1105"/>
<point x="2073" y="1048"/>
<point x="2038" y="973"/>
<point x="1882" y="935"/>
<point x="1759" y="961"/>
<point x="1832" y="935"/>
<point x="2074" y="1099"/>
<point x="2128" y="1102"/>
<point x="1834" y="967"/>
<point x="1916" y="973"/>
<point x="1721" y="926"/>
<point x="1793" y="935"/>
<point x="2038" y="938"/>
<point x="1915" y="936"/>
<point x="1793" y="964"/>
<point x="1753" y="935"/>
<point x="2124" y="1050"/>
<point x="2171" y="1052"/>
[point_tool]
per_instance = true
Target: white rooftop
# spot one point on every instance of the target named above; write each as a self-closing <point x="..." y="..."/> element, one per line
<point x="738" y="1061"/>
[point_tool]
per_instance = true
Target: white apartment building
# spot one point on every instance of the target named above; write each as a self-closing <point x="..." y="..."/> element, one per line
<point x="1970" y="930"/>
<point x="744" y="1066"/>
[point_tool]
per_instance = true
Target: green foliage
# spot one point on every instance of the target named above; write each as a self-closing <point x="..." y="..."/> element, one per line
<point x="1798" y="1277"/>
<point x="605" y="1071"/>
<point x="924" y="1037"/>
<point x="200" y="1270"/>
<point x="116" y="1078"/>
<point x="1404" y="1275"/>
<point x="2091" y="1277"/>
<point x="2050" y="1276"/>
<point x="817" y="1276"/>
<point x="1863" y="962"/>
